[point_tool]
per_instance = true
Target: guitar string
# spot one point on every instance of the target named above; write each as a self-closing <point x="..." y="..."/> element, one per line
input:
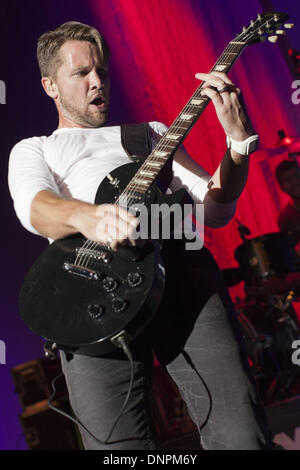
<point x="228" y="50"/>
<point x="188" y="108"/>
<point x="177" y="123"/>
<point x="85" y="259"/>
<point x="89" y="244"/>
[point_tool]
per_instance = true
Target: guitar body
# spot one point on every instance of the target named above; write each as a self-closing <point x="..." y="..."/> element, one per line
<point x="80" y="294"/>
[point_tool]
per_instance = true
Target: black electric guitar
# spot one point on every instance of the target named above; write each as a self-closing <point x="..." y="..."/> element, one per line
<point x="84" y="296"/>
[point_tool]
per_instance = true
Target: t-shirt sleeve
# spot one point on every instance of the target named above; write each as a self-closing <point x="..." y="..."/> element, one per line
<point x="190" y="175"/>
<point x="28" y="174"/>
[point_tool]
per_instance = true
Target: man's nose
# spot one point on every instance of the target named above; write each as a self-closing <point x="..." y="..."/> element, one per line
<point x="95" y="79"/>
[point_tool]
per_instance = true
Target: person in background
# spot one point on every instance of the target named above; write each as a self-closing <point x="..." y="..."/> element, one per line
<point x="288" y="177"/>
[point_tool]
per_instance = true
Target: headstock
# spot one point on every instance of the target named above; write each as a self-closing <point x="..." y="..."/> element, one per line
<point x="266" y="26"/>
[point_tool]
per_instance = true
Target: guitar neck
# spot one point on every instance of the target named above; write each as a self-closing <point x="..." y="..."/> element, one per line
<point x="181" y="126"/>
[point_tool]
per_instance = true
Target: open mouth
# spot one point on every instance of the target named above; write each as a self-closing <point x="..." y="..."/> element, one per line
<point x="98" y="102"/>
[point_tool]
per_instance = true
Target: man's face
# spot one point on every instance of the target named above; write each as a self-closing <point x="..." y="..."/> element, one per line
<point x="80" y="79"/>
<point x="290" y="182"/>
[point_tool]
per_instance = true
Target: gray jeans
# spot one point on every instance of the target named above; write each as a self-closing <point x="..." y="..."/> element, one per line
<point x="208" y="330"/>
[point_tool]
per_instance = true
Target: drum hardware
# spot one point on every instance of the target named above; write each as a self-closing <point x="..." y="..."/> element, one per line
<point x="286" y="315"/>
<point x="281" y="387"/>
<point x="266" y="256"/>
<point x="269" y="327"/>
<point x="270" y="269"/>
<point x="283" y="302"/>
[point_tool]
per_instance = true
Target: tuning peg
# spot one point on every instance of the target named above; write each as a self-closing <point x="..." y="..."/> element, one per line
<point x="281" y="31"/>
<point x="289" y="25"/>
<point x="273" y="38"/>
<point x="259" y="16"/>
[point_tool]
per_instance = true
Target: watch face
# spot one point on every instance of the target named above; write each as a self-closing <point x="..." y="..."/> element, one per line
<point x="252" y="146"/>
<point x="244" y="148"/>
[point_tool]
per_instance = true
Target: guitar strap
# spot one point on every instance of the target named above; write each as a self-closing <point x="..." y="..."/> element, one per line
<point x="136" y="141"/>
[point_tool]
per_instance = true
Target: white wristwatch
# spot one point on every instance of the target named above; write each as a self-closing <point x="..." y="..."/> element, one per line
<point x="245" y="147"/>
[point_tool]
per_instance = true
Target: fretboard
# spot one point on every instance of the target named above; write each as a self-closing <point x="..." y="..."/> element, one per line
<point x="180" y="128"/>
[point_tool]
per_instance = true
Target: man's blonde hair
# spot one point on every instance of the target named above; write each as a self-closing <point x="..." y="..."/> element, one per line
<point x="49" y="44"/>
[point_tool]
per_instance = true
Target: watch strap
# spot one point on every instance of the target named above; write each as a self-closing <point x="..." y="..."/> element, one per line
<point x="245" y="147"/>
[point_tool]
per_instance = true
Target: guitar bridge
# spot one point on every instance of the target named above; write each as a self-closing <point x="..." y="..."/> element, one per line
<point x="81" y="271"/>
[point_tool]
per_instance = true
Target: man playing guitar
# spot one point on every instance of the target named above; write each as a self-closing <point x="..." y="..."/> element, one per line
<point x="53" y="180"/>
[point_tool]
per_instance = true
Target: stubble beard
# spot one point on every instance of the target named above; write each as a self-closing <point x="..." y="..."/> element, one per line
<point x="87" y="119"/>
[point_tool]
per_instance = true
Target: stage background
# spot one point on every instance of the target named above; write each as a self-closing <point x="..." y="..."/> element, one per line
<point x="157" y="47"/>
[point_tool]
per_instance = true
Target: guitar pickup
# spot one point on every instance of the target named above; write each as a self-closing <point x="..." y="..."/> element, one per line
<point x="95" y="254"/>
<point x="81" y="271"/>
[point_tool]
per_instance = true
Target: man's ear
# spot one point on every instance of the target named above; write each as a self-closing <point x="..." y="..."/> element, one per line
<point x="50" y="87"/>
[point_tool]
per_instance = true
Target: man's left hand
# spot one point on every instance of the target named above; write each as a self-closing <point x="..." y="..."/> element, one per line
<point x="231" y="113"/>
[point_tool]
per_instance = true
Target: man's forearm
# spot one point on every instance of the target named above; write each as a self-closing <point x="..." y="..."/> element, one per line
<point x="230" y="178"/>
<point x="55" y="217"/>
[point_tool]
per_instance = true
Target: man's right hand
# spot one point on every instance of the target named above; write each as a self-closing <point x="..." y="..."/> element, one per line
<point x="110" y="224"/>
<point x="55" y="217"/>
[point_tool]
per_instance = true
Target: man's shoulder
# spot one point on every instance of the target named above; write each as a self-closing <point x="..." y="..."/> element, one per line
<point x="28" y="145"/>
<point x="34" y="141"/>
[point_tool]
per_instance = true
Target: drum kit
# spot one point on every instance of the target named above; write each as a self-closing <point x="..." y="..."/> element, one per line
<point x="270" y="269"/>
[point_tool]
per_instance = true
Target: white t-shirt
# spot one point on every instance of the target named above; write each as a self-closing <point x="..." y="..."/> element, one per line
<point x="72" y="162"/>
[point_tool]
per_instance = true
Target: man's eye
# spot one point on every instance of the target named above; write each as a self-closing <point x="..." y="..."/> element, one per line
<point x="81" y="73"/>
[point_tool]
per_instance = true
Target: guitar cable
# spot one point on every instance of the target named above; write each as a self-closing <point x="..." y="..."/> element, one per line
<point x="76" y="420"/>
<point x="127" y="351"/>
<point x="190" y="362"/>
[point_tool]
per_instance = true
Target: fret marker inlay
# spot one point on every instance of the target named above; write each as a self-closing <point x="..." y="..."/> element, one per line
<point x="160" y="154"/>
<point x="220" y="67"/>
<point x="196" y="101"/>
<point x="172" y="136"/>
<point x="147" y="173"/>
<point x="155" y="164"/>
<point x="186" y="117"/>
<point x="141" y="182"/>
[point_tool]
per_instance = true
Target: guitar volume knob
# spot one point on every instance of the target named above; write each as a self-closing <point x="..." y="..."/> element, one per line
<point x="118" y="305"/>
<point x="95" y="311"/>
<point x="134" y="279"/>
<point x="109" y="284"/>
